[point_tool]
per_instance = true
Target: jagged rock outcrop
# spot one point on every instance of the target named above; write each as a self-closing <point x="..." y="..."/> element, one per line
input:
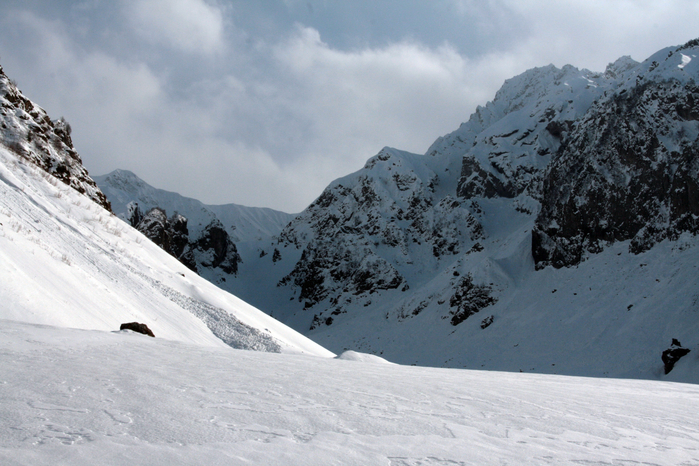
<point x="169" y="233"/>
<point x="27" y="130"/>
<point x="629" y="170"/>
<point x="468" y="299"/>
<point x="364" y="229"/>
<point x="507" y="144"/>
<point x="214" y="249"/>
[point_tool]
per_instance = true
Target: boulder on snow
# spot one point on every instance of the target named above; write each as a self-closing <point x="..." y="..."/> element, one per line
<point x="137" y="327"/>
<point x="673" y="354"/>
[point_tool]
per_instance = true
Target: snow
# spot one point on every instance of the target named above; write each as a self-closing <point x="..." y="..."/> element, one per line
<point x="75" y="390"/>
<point x="65" y="261"/>
<point x="685" y="61"/>
<point x="84" y="397"/>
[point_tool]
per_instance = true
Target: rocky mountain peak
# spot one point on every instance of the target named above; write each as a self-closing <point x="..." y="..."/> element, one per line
<point x="629" y="168"/>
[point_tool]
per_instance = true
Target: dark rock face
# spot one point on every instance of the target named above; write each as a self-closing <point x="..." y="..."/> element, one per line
<point x="629" y="171"/>
<point x="325" y="265"/>
<point x="212" y="249"/>
<point x="27" y="130"/>
<point x="673" y="354"/>
<point x="476" y="182"/>
<point x="169" y="233"/>
<point x="134" y="214"/>
<point x="468" y="299"/>
<point x="137" y="327"/>
<point x="361" y="232"/>
<point x="215" y="249"/>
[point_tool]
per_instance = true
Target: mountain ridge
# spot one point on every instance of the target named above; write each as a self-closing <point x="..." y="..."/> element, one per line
<point x="438" y="259"/>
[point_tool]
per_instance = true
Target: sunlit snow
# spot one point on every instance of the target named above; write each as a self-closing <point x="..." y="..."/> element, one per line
<point x="83" y="397"/>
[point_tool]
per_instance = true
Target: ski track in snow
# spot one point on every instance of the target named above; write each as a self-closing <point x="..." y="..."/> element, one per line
<point x="89" y="397"/>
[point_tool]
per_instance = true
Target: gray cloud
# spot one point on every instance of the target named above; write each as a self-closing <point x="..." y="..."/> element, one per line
<point x="192" y="26"/>
<point x="265" y="103"/>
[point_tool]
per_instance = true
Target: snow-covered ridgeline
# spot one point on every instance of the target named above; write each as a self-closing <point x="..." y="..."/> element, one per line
<point x="242" y="223"/>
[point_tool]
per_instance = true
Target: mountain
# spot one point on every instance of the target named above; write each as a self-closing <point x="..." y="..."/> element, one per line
<point x="75" y="390"/>
<point x="242" y="223"/>
<point x="445" y="258"/>
<point x="67" y="261"/>
<point x="203" y="237"/>
<point x="554" y="231"/>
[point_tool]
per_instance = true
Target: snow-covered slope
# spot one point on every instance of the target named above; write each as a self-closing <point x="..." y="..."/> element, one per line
<point x="66" y="261"/>
<point x="77" y="397"/>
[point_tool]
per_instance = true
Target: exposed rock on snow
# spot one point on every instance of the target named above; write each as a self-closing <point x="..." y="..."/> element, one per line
<point x="468" y="299"/>
<point x="673" y="354"/>
<point x="137" y="327"/>
<point x="214" y="249"/>
<point x="169" y="233"/>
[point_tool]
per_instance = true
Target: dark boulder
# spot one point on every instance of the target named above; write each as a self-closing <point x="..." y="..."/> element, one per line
<point x="137" y="327"/>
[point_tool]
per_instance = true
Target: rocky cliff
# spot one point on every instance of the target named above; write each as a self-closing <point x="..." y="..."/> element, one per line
<point x="27" y="130"/>
<point x="629" y="169"/>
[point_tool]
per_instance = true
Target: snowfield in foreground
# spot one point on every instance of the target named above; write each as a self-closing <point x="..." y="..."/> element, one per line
<point x="86" y="397"/>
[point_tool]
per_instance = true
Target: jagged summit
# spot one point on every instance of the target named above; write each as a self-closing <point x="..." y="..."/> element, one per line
<point x="27" y="130"/>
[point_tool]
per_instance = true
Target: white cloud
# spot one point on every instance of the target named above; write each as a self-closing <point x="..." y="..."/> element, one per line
<point x="593" y="33"/>
<point x="192" y="26"/>
<point x="347" y="105"/>
<point x="272" y="121"/>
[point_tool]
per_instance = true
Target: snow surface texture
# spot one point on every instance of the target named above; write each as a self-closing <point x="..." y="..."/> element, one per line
<point x="77" y="397"/>
<point x="66" y="261"/>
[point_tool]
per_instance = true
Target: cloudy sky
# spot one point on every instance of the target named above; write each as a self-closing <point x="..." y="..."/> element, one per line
<point x="263" y="103"/>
